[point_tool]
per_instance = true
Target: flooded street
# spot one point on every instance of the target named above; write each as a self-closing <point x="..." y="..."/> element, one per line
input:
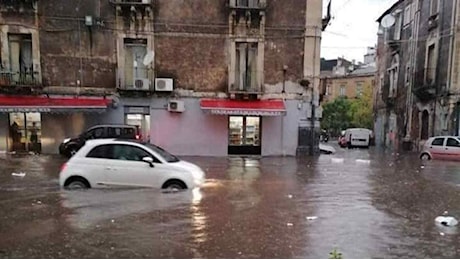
<point x="364" y="203"/>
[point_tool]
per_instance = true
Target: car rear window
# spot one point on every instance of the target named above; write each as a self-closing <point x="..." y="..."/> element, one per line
<point x="101" y="151"/>
<point x="438" y="142"/>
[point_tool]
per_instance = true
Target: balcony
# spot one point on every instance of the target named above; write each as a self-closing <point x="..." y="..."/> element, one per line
<point x="20" y="81"/>
<point x="248" y="4"/>
<point x="433" y="22"/>
<point x="425" y="84"/>
<point x="18" y="5"/>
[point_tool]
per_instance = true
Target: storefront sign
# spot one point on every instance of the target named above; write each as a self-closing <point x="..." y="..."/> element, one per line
<point x="247" y="112"/>
<point x="24" y="109"/>
<point x="137" y="110"/>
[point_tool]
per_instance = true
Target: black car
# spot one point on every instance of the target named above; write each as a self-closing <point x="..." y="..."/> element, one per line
<point x="70" y="146"/>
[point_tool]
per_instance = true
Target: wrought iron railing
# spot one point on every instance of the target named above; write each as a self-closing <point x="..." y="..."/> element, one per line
<point x="20" y="78"/>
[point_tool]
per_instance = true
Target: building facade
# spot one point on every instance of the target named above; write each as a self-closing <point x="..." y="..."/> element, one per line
<point x="351" y="86"/>
<point x="416" y="94"/>
<point x="240" y="78"/>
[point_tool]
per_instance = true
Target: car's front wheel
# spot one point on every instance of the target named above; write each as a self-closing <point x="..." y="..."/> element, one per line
<point x="174" y="185"/>
<point x="76" y="183"/>
<point x="425" y="157"/>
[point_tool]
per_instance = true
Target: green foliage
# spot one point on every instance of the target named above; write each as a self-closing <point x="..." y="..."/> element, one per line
<point x="334" y="254"/>
<point x="345" y="113"/>
<point x="336" y="116"/>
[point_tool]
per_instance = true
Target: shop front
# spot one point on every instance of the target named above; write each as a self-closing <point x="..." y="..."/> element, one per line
<point x="38" y="123"/>
<point x="245" y="119"/>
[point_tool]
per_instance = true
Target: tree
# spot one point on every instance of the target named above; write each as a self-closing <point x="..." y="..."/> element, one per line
<point x="336" y="115"/>
<point x="361" y="113"/>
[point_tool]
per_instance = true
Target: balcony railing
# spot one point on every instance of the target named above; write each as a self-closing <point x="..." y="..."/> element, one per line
<point x="248" y="4"/>
<point x="244" y="90"/>
<point x="425" y="84"/>
<point x="133" y="2"/>
<point x="20" y="78"/>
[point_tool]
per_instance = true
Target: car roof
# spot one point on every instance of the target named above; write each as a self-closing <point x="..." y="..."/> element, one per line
<point x="111" y="141"/>
<point x="127" y="126"/>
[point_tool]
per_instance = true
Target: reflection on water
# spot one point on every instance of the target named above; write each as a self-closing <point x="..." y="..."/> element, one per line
<point x="96" y="205"/>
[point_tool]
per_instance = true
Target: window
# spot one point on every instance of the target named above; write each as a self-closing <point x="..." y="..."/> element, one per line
<point x="359" y="89"/>
<point x="21" y="57"/>
<point x="434" y="7"/>
<point x="329" y="90"/>
<point x="397" y="32"/>
<point x="407" y="15"/>
<point x="453" y="142"/>
<point x="430" y="71"/>
<point x="246" y="66"/>
<point x="101" y="151"/>
<point x="113" y="132"/>
<point x="135" y="51"/>
<point x="394" y="75"/>
<point x="342" y="91"/>
<point x="438" y="142"/>
<point x="95" y="133"/>
<point x="129" y="153"/>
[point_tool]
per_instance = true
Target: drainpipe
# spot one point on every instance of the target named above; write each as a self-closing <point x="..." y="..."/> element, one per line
<point x="413" y="66"/>
<point x="452" y="129"/>
<point x="437" y="81"/>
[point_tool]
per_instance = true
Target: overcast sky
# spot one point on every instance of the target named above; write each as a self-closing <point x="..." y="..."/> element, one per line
<point x="352" y="27"/>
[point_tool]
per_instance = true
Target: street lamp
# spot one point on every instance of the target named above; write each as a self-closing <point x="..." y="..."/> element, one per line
<point x="285" y="67"/>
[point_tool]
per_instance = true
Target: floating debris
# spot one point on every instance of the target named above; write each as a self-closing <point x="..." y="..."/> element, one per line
<point x="312" y="218"/>
<point x="446" y="221"/>
<point x="337" y="160"/>
<point x="290" y="224"/>
<point x="362" y="161"/>
<point x="19" y="174"/>
<point x="290" y="196"/>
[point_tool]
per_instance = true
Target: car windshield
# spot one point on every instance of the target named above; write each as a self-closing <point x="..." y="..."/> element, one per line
<point x="167" y="156"/>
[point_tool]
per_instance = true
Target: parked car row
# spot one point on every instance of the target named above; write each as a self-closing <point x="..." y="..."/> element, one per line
<point x="111" y="156"/>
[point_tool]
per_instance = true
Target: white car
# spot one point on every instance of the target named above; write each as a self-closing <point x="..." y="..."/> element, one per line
<point x="111" y="162"/>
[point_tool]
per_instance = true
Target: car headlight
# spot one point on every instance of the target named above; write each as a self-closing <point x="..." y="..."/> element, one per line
<point x="66" y="140"/>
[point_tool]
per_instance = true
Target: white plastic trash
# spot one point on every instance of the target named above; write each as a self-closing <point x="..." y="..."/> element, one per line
<point x="446" y="221"/>
<point x="312" y="218"/>
<point x="337" y="160"/>
<point x="19" y="174"/>
<point x="362" y="161"/>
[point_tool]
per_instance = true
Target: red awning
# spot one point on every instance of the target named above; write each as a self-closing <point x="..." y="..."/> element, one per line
<point x="49" y="104"/>
<point x="272" y="107"/>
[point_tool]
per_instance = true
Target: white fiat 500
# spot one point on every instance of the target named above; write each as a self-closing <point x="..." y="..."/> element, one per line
<point x="111" y="162"/>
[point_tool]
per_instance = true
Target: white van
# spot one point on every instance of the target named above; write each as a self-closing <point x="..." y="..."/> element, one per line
<point x="358" y="137"/>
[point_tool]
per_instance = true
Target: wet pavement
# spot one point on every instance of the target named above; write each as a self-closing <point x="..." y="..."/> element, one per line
<point x="368" y="204"/>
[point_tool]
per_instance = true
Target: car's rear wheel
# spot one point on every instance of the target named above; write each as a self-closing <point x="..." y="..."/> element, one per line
<point x="174" y="185"/>
<point x="425" y="157"/>
<point x="77" y="183"/>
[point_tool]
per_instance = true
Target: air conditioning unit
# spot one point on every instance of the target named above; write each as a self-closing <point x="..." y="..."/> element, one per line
<point x="163" y="84"/>
<point x="141" y="84"/>
<point x="176" y="106"/>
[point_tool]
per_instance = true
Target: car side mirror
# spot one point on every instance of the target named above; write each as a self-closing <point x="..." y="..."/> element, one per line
<point x="148" y="160"/>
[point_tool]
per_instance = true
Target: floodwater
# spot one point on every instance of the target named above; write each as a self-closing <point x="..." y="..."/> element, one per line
<point x="364" y="203"/>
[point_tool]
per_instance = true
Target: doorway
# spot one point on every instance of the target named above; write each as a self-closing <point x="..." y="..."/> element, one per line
<point x="142" y="121"/>
<point x="244" y="135"/>
<point x="25" y="132"/>
<point x="425" y="125"/>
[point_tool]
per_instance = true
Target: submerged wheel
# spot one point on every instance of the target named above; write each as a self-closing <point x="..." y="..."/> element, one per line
<point x="174" y="185"/>
<point x="76" y="183"/>
<point x="425" y="157"/>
